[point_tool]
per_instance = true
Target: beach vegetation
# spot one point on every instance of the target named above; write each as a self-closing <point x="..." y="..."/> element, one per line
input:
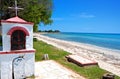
<point x="50" y="31"/>
<point x="90" y="72"/>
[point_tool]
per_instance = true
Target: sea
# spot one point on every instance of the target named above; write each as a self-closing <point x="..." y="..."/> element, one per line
<point x="106" y="40"/>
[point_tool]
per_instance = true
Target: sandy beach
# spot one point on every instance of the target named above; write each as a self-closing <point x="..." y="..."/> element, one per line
<point x="107" y="59"/>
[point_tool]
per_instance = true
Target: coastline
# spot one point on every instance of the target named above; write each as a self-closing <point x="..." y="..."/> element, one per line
<point x="107" y="59"/>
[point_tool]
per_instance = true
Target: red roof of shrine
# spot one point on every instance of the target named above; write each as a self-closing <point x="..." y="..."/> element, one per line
<point x="16" y="20"/>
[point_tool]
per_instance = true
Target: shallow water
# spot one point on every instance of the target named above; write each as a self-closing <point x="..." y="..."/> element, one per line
<point x="111" y="41"/>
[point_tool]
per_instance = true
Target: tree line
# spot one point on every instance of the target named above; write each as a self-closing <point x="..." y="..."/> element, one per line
<point x="50" y="31"/>
<point x="36" y="11"/>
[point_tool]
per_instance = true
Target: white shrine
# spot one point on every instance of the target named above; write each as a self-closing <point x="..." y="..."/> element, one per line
<point x="17" y="56"/>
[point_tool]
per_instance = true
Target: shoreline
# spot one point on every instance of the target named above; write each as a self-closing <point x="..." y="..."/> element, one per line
<point x="87" y="44"/>
<point x="107" y="59"/>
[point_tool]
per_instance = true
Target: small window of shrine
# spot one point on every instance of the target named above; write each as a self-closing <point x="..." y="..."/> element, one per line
<point x="18" y="38"/>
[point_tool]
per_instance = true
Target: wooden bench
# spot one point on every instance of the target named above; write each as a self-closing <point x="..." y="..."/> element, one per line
<point x="81" y="61"/>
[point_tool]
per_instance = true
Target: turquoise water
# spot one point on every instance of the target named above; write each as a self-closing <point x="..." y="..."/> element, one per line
<point x="111" y="41"/>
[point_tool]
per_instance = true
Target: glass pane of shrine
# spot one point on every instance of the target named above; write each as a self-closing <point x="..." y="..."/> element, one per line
<point x="18" y="40"/>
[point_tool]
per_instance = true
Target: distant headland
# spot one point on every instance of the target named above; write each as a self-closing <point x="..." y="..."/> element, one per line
<point x="49" y="31"/>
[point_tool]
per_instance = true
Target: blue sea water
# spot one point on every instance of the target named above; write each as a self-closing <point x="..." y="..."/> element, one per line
<point x="111" y="41"/>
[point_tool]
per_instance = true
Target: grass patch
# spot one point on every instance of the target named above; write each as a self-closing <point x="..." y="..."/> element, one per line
<point x="43" y="48"/>
<point x="90" y="72"/>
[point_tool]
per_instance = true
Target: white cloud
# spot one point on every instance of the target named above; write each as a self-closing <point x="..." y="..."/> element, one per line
<point x="57" y="19"/>
<point x="84" y="15"/>
<point x="74" y="17"/>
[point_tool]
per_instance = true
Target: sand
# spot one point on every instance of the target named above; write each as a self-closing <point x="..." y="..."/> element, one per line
<point x="107" y="59"/>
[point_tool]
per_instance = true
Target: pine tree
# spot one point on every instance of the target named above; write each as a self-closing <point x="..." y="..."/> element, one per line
<point x="37" y="11"/>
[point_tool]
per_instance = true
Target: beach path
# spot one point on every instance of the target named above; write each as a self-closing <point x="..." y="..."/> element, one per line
<point x="50" y="69"/>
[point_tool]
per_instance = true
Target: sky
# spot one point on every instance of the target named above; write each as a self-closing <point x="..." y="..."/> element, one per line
<point x="86" y="16"/>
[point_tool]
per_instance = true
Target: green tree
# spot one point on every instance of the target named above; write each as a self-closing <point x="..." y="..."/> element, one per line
<point x="37" y="11"/>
